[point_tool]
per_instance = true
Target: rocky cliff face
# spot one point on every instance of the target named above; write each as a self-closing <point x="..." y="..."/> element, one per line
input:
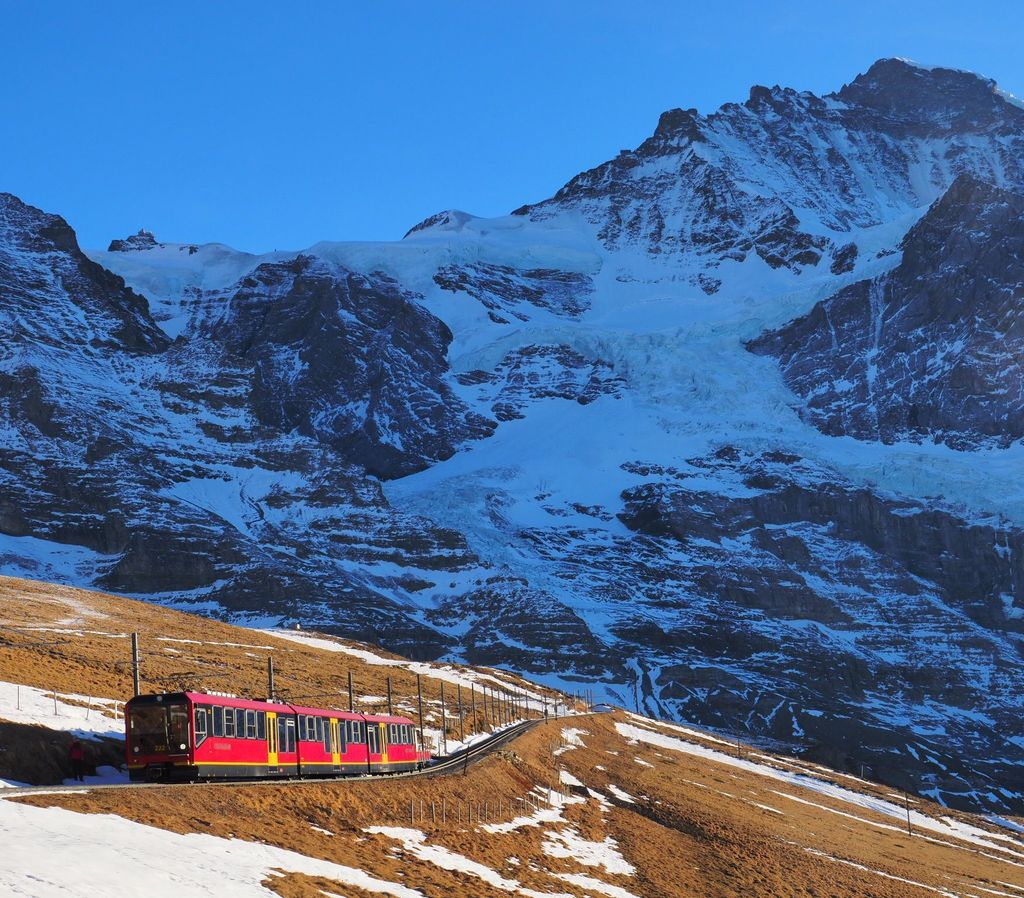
<point x="542" y="440"/>
<point x="931" y="349"/>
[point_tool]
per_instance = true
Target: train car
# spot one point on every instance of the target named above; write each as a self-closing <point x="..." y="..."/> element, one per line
<point x="189" y="736"/>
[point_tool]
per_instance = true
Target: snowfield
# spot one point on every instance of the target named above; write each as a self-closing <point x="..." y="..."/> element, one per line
<point x="54" y="853"/>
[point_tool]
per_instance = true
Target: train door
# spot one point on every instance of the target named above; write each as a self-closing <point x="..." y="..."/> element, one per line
<point x="383" y="743"/>
<point x="272" y="738"/>
<point x="335" y="744"/>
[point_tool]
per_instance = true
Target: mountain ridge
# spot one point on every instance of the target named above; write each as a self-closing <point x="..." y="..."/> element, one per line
<point x="541" y="441"/>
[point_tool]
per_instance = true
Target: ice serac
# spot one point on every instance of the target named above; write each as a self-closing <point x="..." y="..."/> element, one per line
<point x="542" y="440"/>
<point x="932" y="349"/>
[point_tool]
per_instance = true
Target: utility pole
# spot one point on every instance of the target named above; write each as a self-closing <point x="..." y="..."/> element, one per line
<point x="419" y="697"/>
<point x="444" y="721"/>
<point x="462" y="719"/>
<point x="391" y="713"/>
<point x="136" y="671"/>
<point x="472" y="699"/>
<point x="271" y="695"/>
<point x="351" y="703"/>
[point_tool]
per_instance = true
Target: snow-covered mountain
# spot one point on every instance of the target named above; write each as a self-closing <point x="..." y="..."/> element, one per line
<point x="729" y="427"/>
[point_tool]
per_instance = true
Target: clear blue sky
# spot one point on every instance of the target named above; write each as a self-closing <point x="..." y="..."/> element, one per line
<point x="274" y="125"/>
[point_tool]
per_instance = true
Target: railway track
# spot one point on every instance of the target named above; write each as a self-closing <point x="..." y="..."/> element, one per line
<point x="446" y="766"/>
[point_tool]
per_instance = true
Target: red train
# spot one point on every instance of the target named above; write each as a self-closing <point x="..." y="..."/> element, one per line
<point x="187" y="736"/>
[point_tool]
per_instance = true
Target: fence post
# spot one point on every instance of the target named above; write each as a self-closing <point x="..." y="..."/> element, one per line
<point x="136" y="673"/>
<point x="419" y="697"/>
<point x="462" y="719"/>
<point x="444" y="720"/>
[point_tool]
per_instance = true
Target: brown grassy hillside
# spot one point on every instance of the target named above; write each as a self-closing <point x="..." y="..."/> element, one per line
<point x="602" y="805"/>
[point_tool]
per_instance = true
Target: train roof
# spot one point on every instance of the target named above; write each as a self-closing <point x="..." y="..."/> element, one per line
<point x="233" y="701"/>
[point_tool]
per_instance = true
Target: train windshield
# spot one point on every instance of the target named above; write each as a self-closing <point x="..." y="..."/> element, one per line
<point x="158" y="728"/>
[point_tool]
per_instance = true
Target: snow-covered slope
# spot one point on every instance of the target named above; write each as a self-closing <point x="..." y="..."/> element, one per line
<point x="541" y="440"/>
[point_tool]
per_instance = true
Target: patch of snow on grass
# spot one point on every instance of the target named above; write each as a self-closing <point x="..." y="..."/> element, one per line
<point x="595" y="885"/>
<point x="570" y="844"/>
<point x="414" y="841"/>
<point x="567" y="779"/>
<point x="98" y="850"/>
<point x="571" y="739"/>
<point x="79" y="714"/>
<point x="620" y="794"/>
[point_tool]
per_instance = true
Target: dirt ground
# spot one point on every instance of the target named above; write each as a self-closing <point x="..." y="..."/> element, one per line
<point x="689" y="825"/>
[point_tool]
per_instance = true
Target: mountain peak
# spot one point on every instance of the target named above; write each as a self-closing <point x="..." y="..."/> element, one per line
<point x="142" y="240"/>
<point x="948" y="97"/>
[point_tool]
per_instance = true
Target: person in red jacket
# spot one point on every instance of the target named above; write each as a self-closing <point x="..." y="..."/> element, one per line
<point x="76" y="755"/>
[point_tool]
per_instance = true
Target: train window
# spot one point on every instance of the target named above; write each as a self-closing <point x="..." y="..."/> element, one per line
<point x="201" y="724"/>
<point x="290" y="728"/>
<point x="325" y="723"/>
<point x="218" y="721"/>
<point x="282" y="734"/>
<point x="343" y="736"/>
<point x="229" y="722"/>
<point x="250" y="724"/>
<point x="305" y="726"/>
<point x="319" y="721"/>
<point x="261" y="724"/>
<point x="240" y="723"/>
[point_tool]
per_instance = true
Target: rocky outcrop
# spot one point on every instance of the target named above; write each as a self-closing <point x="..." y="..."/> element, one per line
<point x="143" y="240"/>
<point x="504" y="291"/>
<point x="930" y="350"/>
<point x="347" y="359"/>
<point x="51" y="290"/>
<point x="787" y="597"/>
<point x="540" y="372"/>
